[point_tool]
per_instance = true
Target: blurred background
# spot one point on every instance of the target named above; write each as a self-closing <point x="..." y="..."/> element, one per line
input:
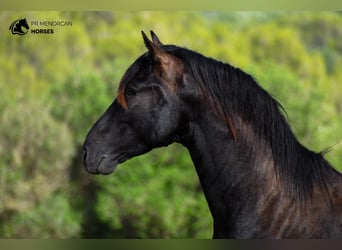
<point x="54" y="87"/>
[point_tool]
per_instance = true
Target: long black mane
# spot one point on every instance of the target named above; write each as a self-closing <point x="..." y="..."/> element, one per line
<point x="237" y="94"/>
<point x="233" y="94"/>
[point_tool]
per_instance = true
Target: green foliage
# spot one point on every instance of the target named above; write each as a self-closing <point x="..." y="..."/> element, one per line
<point x="51" y="218"/>
<point x="53" y="88"/>
<point x="81" y="97"/>
<point x="35" y="152"/>
<point x="169" y="205"/>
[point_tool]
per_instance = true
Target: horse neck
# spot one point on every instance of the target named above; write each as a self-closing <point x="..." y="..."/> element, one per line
<point x="233" y="174"/>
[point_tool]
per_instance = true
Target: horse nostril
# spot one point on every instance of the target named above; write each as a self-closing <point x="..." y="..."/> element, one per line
<point x="84" y="155"/>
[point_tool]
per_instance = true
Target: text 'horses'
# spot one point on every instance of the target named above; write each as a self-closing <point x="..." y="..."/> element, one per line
<point x="259" y="181"/>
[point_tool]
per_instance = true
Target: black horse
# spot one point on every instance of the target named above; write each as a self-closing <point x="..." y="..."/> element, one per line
<point x="259" y="181"/>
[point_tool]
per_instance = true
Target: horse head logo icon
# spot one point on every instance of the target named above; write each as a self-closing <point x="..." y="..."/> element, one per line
<point x="19" y="27"/>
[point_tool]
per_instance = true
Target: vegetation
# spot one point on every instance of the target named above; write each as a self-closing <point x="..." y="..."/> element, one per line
<point x="53" y="88"/>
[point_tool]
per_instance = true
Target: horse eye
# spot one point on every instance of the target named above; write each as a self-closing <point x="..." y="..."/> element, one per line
<point x="131" y="92"/>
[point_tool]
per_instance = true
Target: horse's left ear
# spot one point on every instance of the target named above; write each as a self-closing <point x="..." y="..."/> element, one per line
<point x="168" y="64"/>
<point x="155" y="49"/>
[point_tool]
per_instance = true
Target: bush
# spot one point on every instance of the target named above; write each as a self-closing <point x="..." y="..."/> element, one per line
<point x="155" y="196"/>
<point x="35" y="153"/>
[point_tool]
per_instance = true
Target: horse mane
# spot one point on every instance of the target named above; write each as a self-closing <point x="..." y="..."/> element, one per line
<point x="231" y="93"/>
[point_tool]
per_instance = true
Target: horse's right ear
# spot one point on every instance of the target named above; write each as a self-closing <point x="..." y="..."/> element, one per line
<point x="168" y="65"/>
<point x="157" y="53"/>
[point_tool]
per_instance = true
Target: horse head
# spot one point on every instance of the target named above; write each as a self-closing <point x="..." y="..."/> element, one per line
<point x="146" y="114"/>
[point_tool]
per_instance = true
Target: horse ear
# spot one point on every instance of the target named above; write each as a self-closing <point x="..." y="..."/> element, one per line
<point x="155" y="39"/>
<point x="168" y="65"/>
<point x="155" y="50"/>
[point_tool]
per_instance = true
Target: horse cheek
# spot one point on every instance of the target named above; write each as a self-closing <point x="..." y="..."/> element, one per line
<point x="168" y="124"/>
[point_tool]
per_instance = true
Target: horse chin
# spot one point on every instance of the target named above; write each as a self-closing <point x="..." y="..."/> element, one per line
<point x="102" y="169"/>
<point x="107" y="166"/>
<point x="106" y="169"/>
